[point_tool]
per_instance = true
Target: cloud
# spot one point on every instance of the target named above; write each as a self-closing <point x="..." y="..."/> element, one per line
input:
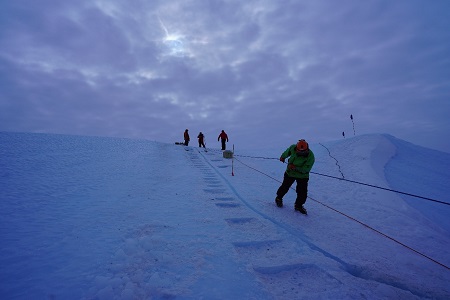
<point x="263" y="69"/>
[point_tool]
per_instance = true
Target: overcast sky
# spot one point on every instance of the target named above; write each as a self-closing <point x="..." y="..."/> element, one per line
<point x="267" y="72"/>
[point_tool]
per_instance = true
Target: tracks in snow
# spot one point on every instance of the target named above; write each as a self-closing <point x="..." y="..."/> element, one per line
<point x="276" y="253"/>
<point x="279" y="254"/>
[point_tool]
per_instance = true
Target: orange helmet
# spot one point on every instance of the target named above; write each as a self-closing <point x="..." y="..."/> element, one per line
<point x="302" y="145"/>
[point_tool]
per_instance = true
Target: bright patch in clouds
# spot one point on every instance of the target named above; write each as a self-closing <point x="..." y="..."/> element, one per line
<point x="175" y="45"/>
<point x="174" y="42"/>
<point x="238" y="62"/>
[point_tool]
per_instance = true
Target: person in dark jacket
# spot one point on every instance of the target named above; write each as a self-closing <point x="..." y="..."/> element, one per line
<point x="301" y="159"/>
<point x="186" y="137"/>
<point x="201" y="140"/>
<point x="224" y="138"/>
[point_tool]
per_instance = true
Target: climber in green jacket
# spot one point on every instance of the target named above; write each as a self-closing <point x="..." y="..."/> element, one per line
<point x="301" y="159"/>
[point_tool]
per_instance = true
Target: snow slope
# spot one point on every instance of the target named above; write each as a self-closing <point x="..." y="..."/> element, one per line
<point x="105" y="218"/>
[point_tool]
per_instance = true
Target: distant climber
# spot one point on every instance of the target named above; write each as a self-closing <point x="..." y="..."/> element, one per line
<point x="224" y="138"/>
<point x="201" y="140"/>
<point x="301" y="159"/>
<point x="186" y="137"/>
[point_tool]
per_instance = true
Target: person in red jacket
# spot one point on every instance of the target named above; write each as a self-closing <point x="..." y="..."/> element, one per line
<point x="186" y="137"/>
<point x="224" y="138"/>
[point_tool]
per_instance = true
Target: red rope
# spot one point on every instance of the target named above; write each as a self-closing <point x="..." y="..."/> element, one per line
<point x="353" y="219"/>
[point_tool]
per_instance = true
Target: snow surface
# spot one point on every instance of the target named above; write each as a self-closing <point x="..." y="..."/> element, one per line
<point x="107" y="218"/>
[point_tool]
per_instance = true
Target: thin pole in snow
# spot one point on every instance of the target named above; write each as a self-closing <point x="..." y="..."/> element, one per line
<point x="351" y="117"/>
<point x="232" y="163"/>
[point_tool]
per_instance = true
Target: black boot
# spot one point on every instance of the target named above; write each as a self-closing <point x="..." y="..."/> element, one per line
<point x="279" y="201"/>
<point x="301" y="209"/>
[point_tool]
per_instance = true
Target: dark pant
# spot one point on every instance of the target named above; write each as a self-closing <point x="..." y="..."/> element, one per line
<point x="201" y="144"/>
<point x="301" y="189"/>
<point x="223" y="144"/>
<point x="186" y="142"/>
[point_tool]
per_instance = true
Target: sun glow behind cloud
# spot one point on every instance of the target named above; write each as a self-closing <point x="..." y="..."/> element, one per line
<point x="175" y="43"/>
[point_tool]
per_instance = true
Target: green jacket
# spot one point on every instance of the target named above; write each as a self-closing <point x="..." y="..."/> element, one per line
<point x="303" y="164"/>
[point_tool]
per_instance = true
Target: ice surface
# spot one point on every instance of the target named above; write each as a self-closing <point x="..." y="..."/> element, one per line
<point x="106" y="218"/>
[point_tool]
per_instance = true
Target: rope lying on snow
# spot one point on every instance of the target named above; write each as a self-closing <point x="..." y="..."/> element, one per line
<point x="354" y="219"/>
<point x="382" y="188"/>
<point x="337" y="162"/>
<point x="362" y="183"/>
<point x="383" y="234"/>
